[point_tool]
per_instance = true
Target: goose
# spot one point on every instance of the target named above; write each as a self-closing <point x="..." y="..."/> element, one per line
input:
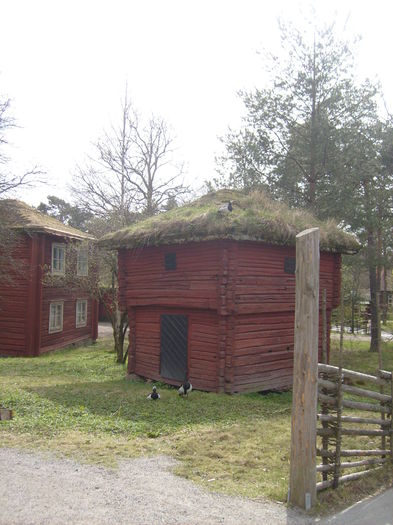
<point x="185" y="388"/>
<point x="154" y="395"/>
<point x="225" y="208"/>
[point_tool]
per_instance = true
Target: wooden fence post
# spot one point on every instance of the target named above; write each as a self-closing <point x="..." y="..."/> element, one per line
<point x="302" y="481"/>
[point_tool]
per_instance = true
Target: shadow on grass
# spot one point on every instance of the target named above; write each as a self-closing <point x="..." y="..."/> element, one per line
<point x="121" y="406"/>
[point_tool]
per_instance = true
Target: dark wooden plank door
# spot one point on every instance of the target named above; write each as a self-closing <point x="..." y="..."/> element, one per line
<point x="174" y="336"/>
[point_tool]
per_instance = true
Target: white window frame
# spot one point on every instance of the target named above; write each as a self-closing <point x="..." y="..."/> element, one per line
<point x="61" y="269"/>
<point x="56" y="325"/>
<point x="81" y="315"/>
<point x="82" y="266"/>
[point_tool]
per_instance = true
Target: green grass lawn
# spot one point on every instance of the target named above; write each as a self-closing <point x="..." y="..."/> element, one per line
<point x="356" y="355"/>
<point x="78" y="403"/>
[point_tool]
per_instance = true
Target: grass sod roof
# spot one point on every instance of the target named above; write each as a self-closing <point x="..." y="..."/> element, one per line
<point x="254" y="217"/>
<point x="20" y="216"/>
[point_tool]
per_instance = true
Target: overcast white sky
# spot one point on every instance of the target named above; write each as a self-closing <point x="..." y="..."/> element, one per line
<point x="65" y="64"/>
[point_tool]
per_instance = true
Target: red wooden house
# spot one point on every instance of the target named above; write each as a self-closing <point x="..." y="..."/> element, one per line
<point x="210" y="290"/>
<point x="39" y="309"/>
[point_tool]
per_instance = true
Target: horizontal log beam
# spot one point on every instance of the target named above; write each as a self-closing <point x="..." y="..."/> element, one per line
<point x="325" y="383"/>
<point x="331" y="385"/>
<point x="350" y="453"/>
<point x="330" y="369"/>
<point x="348" y="477"/>
<point x="352" y="464"/>
<point x="384" y="398"/>
<point x="322" y="485"/>
<point x="330" y="432"/>
<point x="330" y="400"/>
<point x="353" y="419"/>
<point x="358" y="405"/>
<point x="366" y="406"/>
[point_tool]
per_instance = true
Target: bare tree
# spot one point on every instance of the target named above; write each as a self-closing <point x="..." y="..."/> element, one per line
<point x="9" y="237"/>
<point x="131" y="176"/>
<point x="133" y="170"/>
<point x="8" y="180"/>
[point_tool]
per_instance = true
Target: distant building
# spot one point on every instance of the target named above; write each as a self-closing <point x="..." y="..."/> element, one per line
<point x="37" y="314"/>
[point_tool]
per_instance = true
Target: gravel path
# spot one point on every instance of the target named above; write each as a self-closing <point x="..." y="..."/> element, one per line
<point x="42" y="490"/>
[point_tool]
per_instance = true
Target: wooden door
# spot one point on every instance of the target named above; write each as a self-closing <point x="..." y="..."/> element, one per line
<point x="174" y="337"/>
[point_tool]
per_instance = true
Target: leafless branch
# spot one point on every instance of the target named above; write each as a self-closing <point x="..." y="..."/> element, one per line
<point x="133" y="170"/>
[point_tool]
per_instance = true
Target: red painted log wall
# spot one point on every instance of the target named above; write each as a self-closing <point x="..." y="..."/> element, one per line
<point x="13" y="301"/>
<point x="24" y="303"/>
<point x="70" y="333"/>
<point x="145" y="282"/>
<point x="240" y="304"/>
<point x="265" y="306"/>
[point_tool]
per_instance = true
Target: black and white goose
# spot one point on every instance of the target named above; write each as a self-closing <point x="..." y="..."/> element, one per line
<point x="154" y="395"/>
<point x="185" y="389"/>
<point x="225" y="208"/>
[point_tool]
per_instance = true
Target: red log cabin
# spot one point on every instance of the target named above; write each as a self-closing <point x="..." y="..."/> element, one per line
<point x="39" y="309"/>
<point x="210" y="290"/>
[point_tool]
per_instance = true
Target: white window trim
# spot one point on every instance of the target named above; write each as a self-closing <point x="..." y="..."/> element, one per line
<point x="63" y="247"/>
<point x="85" y="271"/>
<point x="56" y="329"/>
<point x="80" y="324"/>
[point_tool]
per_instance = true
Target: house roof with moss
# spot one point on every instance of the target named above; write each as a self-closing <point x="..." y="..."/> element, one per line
<point x="253" y="217"/>
<point x="19" y="215"/>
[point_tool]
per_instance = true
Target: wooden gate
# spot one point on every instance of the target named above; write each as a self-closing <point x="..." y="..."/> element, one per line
<point x="174" y="338"/>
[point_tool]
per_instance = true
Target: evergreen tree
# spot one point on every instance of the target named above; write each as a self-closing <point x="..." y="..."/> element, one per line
<point x="314" y="138"/>
<point x="294" y="131"/>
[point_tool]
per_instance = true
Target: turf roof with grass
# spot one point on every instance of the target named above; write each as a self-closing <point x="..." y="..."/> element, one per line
<point x="20" y="216"/>
<point x="254" y="217"/>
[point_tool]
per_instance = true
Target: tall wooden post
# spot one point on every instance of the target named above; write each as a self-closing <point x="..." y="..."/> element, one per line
<point x="302" y="483"/>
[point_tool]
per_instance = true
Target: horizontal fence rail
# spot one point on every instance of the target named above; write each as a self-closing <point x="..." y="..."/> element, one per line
<point x="337" y="391"/>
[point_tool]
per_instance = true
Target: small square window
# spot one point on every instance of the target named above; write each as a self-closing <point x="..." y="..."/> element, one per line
<point x="81" y="263"/>
<point x="81" y="313"/>
<point x="56" y="317"/>
<point x="58" y="259"/>
<point x="170" y="261"/>
<point x="290" y="265"/>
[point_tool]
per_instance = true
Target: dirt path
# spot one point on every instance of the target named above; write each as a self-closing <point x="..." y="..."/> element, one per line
<point x="42" y="490"/>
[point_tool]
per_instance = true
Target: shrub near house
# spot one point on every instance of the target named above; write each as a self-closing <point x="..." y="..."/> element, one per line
<point x="40" y="308"/>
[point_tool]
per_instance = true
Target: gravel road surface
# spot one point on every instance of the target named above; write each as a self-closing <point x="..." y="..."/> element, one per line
<point x="42" y="490"/>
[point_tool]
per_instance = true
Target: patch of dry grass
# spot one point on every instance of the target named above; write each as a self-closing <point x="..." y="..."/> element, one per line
<point x="250" y="459"/>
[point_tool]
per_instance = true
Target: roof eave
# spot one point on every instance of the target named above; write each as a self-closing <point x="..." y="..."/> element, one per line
<point x="57" y="232"/>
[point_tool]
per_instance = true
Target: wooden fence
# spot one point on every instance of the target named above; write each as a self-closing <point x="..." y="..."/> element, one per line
<point x="337" y="392"/>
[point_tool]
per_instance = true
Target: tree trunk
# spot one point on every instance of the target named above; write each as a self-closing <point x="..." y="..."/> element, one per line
<point x="352" y="312"/>
<point x="384" y="286"/>
<point x="119" y="325"/>
<point x="375" y="343"/>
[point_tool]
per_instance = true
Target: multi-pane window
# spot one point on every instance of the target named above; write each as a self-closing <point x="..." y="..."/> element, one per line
<point x="81" y="263"/>
<point x="81" y="312"/>
<point x="56" y="316"/>
<point x="58" y="258"/>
